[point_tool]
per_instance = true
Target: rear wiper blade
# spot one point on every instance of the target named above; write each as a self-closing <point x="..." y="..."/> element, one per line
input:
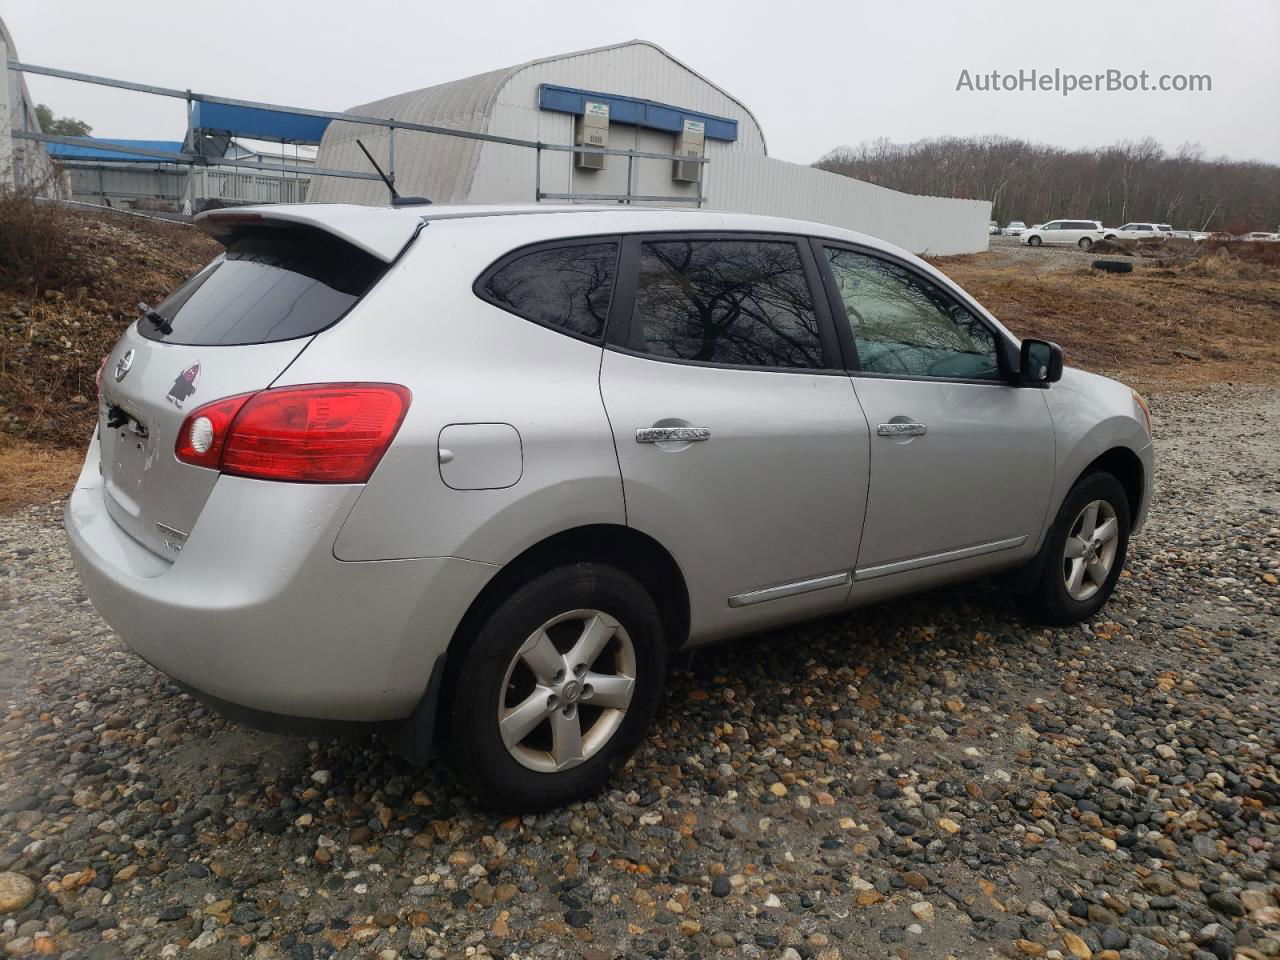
<point x="156" y="317"/>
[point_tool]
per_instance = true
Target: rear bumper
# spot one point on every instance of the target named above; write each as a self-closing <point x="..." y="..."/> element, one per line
<point x="256" y="612"/>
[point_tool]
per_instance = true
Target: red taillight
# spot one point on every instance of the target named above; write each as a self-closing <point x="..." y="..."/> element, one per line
<point x="320" y="433"/>
<point x="205" y="432"/>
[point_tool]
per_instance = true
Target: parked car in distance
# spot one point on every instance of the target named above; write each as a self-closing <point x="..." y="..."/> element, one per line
<point x="993" y="228"/>
<point x="1196" y="235"/>
<point x="1081" y="233"/>
<point x="473" y="474"/>
<point x="1015" y="228"/>
<point x="1262" y="235"/>
<point x="1135" y="231"/>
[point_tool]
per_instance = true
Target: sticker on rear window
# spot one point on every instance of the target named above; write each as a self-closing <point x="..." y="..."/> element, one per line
<point x="184" y="386"/>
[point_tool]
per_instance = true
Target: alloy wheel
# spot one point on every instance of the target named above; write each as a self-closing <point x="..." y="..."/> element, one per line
<point x="567" y="690"/>
<point x="1090" y="550"/>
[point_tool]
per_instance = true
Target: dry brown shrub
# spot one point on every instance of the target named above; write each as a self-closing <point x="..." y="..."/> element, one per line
<point x="70" y="282"/>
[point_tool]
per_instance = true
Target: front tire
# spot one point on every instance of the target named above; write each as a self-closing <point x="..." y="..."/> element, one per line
<point x="556" y="689"/>
<point x="1033" y="241"/>
<point x="1085" y="243"/>
<point x="1083" y="554"/>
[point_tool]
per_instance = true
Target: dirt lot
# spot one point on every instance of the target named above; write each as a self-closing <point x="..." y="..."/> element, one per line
<point x="1177" y="320"/>
<point x="924" y="779"/>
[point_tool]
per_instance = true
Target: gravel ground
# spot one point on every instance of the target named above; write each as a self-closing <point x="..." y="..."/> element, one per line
<point x="925" y="779"/>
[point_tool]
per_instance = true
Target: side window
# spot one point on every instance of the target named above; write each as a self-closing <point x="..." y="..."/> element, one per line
<point x="567" y="287"/>
<point x="741" y="302"/>
<point x="906" y="325"/>
<point x="1053" y="225"/>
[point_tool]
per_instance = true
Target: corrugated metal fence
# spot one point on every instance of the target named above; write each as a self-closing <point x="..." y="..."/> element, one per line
<point x="925" y="225"/>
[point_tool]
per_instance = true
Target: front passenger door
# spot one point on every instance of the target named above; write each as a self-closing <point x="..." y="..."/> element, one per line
<point x="962" y="460"/>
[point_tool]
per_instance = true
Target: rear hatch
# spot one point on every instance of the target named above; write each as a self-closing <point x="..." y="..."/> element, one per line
<point x="285" y="274"/>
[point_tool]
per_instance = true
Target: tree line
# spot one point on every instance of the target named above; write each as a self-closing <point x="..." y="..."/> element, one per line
<point x="1034" y="182"/>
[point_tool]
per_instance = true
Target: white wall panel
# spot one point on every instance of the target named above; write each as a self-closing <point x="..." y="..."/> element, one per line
<point x="923" y="225"/>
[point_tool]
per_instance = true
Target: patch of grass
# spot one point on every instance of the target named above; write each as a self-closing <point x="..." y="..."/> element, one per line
<point x="35" y="473"/>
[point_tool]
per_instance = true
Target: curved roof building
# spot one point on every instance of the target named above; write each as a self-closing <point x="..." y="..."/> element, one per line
<point x="639" y="97"/>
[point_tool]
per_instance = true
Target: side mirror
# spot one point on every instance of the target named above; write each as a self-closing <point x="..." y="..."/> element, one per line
<point x="1040" y="363"/>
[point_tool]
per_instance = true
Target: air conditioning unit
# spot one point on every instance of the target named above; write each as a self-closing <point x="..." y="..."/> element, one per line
<point x="592" y="130"/>
<point x="690" y="142"/>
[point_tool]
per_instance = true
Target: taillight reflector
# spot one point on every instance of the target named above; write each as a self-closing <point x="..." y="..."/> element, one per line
<point x="218" y="415"/>
<point x="318" y="433"/>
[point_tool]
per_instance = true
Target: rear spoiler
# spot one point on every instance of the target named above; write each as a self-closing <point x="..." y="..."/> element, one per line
<point x="378" y="231"/>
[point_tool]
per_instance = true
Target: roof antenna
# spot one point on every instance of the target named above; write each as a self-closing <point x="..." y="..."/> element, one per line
<point x="396" y="199"/>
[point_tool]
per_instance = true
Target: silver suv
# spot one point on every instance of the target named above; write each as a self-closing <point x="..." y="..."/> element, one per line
<point x="470" y="475"/>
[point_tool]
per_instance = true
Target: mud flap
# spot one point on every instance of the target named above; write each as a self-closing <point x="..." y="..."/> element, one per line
<point x="413" y="737"/>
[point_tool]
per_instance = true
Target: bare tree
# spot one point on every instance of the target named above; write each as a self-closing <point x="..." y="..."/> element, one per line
<point x="1133" y="180"/>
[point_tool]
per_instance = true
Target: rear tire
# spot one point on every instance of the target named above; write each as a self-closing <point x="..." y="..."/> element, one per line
<point x="1083" y="554"/>
<point x="1033" y="241"/>
<point x="583" y="718"/>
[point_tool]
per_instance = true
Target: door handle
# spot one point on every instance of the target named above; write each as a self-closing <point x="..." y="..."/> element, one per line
<point x="672" y="434"/>
<point x="902" y="430"/>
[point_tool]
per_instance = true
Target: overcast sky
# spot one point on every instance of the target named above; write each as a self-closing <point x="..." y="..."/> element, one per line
<point x="816" y="74"/>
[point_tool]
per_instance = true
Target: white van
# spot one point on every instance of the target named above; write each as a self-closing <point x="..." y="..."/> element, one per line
<point x="1082" y="233"/>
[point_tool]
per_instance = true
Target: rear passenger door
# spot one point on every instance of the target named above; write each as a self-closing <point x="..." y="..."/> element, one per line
<point x="741" y="444"/>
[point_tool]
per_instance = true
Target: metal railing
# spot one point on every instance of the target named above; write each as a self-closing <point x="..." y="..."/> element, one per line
<point x="244" y="187"/>
<point x="200" y="160"/>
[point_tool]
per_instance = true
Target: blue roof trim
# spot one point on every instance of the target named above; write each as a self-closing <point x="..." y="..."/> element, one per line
<point x="258" y="123"/>
<point x="635" y="111"/>
<point x="66" y="151"/>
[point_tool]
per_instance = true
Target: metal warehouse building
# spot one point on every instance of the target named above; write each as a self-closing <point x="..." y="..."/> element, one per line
<point x="630" y="96"/>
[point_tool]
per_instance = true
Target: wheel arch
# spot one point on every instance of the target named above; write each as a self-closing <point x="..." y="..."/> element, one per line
<point x="626" y="548"/>
<point x="1127" y="467"/>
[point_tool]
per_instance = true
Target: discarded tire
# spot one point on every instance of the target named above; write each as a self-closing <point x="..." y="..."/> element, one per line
<point x="1113" y="266"/>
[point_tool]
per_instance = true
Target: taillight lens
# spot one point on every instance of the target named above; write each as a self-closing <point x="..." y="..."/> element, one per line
<point x="319" y="433"/>
<point x="204" y="433"/>
<point x="97" y="378"/>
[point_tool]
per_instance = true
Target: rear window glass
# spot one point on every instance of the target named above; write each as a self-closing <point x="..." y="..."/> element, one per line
<point x="273" y="283"/>
<point x="566" y="287"/>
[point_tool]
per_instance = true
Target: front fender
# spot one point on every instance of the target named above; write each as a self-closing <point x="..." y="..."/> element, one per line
<point x="1091" y="416"/>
